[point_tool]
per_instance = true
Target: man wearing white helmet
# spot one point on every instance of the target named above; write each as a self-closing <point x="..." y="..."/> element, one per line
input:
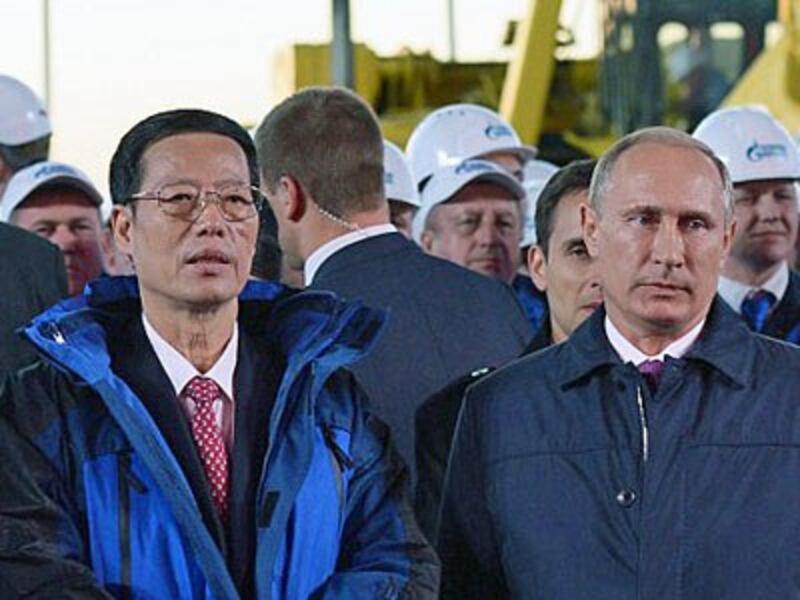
<point x="454" y="133"/>
<point x="59" y="203"/>
<point x="471" y="215"/>
<point x="764" y="166"/>
<point x="401" y="192"/>
<point x="24" y="129"/>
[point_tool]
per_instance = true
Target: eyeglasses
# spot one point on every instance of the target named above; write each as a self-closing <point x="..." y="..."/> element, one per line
<point x="186" y="201"/>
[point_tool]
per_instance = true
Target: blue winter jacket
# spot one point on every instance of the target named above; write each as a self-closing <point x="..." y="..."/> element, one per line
<point x="78" y="521"/>
<point x="570" y="480"/>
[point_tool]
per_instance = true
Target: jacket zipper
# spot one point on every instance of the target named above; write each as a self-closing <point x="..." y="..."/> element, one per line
<point x="340" y="461"/>
<point x="642" y="421"/>
<point x="123" y="488"/>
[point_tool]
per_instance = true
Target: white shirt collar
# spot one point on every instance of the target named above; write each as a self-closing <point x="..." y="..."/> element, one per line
<point x="324" y="252"/>
<point x="734" y="292"/>
<point x="180" y="370"/>
<point x="630" y="353"/>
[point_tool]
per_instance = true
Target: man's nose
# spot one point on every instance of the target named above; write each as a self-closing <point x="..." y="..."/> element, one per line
<point x="211" y="219"/>
<point x="767" y="208"/>
<point x="64" y="238"/>
<point x="668" y="244"/>
<point x="487" y="232"/>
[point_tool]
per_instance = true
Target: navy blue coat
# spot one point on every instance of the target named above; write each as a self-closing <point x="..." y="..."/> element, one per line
<point x="444" y="321"/>
<point x="32" y="278"/>
<point x="561" y="485"/>
<point x="784" y="321"/>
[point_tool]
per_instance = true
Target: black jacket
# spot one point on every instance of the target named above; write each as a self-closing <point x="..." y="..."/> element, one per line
<point x="444" y="321"/>
<point x="569" y="479"/>
<point x="434" y="425"/>
<point x="32" y="278"/>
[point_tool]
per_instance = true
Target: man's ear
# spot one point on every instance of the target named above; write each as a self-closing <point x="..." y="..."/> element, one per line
<point x="122" y="227"/>
<point x="590" y="224"/>
<point x="729" y="231"/>
<point x="293" y="197"/>
<point x="537" y="267"/>
<point x="426" y="240"/>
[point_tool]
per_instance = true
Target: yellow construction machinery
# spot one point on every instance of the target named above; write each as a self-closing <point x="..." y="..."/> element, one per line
<point x="662" y="62"/>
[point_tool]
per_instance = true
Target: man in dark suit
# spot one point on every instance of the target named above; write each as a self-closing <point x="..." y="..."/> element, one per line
<point x="563" y="271"/>
<point x="33" y="278"/>
<point x="188" y="435"/>
<point x="321" y="158"/>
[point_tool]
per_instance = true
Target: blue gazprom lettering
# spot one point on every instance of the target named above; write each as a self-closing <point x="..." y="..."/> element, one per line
<point x="51" y="169"/>
<point x="388" y="178"/>
<point x="494" y="132"/>
<point x="469" y="166"/>
<point x="758" y="152"/>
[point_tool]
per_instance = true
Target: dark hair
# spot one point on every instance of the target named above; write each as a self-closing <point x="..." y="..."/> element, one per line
<point x="24" y="155"/>
<point x="574" y="177"/>
<point x="268" y="256"/>
<point x="329" y="140"/>
<point x="125" y="174"/>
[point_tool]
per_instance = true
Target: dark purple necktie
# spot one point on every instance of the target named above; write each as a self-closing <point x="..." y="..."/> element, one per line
<point x="652" y="370"/>
<point x="756" y="308"/>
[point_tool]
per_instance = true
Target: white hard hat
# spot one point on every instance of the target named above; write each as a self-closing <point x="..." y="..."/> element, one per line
<point x="751" y="142"/>
<point x="446" y="182"/>
<point x="23" y="117"/>
<point x="536" y="175"/>
<point x="25" y="181"/>
<point x="397" y="176"/>
<point x="459" y="132"/>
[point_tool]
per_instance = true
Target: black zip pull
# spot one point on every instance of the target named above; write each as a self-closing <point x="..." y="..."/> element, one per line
<point x="136" y="483"/>
<point x="345" y="462"/>
<point x="268" y="508"/>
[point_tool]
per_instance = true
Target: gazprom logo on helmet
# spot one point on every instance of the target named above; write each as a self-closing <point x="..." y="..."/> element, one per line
<point x="757" y="152"/>
<point x="48" y="170"/>
<point x="469" y="166"/>
<point x="495" y="132"/>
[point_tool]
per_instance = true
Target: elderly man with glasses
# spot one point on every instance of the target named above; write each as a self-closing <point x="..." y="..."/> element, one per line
<point x="191" y="436"/>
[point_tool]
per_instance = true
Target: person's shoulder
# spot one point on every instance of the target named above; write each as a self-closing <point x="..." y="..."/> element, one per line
<point x="514" y="385"/>
<point x="24" y="242"/>
<point x="36" y="396"/>
<point x="775" y="355"/>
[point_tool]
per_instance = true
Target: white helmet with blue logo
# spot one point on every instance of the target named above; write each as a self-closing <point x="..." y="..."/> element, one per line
<point x="751" y="142"/>
<point x="397" y="179"/>
<point x="537" y="174"/>
<point x="446" y="182"/>
<point x="457" y="132"/>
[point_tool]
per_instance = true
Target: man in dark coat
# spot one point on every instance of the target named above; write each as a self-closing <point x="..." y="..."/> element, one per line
<point x="321" y="157"/>
<point x="654" y="453"/>
<point x="565" y="274"/>
<point x="33" y="278"/>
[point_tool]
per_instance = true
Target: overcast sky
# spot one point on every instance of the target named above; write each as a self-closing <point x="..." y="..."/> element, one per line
<point x="114" y="62"/>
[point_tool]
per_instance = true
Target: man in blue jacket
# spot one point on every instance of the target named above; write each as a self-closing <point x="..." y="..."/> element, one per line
<point x="187" y="436"/>
<point x="654" y="454"/>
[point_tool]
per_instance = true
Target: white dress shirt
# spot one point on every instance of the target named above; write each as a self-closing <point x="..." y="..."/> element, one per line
<point x="324" y="252"/>
<point x="180" y="371"/>
<point x="734" y="292"/>
<point x="631" y="354"/>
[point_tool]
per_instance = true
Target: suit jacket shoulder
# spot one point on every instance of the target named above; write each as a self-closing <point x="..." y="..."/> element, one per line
<point x="32" y="278"/>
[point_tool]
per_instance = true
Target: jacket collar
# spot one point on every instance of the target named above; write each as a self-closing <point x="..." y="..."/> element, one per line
<point x="301" y="323"/>
<point x="725" y="344"/>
